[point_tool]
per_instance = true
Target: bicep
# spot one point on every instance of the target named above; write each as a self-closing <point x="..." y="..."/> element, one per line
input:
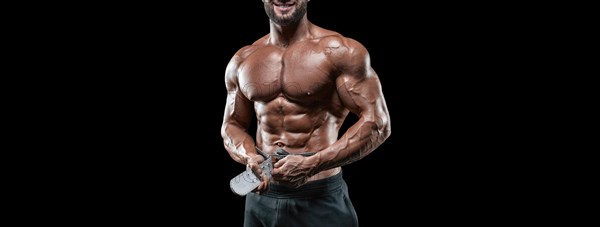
<point x="358" y="85"/>
<point x="238" y="109"/>
<point x="360" y="91"/>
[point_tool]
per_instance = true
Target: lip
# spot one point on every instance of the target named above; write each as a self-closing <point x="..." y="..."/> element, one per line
<point x="284" y="8"/>
<point x="290" y="3"/>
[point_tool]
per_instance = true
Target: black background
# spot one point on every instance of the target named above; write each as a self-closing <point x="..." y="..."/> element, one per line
<point x="155" y="94"/>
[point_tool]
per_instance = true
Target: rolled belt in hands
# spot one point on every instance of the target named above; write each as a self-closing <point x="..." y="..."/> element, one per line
<point x="247" y="181"/>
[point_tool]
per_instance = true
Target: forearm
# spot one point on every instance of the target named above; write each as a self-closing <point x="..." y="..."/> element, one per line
<point x="238" y="143"/>
<point x="359" y="141"/>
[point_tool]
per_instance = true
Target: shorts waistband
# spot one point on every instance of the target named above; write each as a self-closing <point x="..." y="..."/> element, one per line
<point x="311" y="189"/>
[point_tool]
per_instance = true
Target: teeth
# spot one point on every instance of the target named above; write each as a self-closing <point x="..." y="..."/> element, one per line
<point x="283" y="5"/>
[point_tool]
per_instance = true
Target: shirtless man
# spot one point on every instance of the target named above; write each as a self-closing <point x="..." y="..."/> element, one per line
<point x="301" y="81"/>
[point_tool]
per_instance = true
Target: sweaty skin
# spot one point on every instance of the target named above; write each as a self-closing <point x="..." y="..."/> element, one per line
<point x="301" y="81"/>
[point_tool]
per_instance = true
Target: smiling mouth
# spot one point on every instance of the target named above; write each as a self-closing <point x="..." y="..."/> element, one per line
<point x="284" y="6"/>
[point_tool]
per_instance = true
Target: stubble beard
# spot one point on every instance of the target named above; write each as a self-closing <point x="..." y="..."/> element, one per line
<point x="286" y="20"/>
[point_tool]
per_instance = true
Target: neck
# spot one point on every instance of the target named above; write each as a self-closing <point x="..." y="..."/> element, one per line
<point x="286" y="35"/>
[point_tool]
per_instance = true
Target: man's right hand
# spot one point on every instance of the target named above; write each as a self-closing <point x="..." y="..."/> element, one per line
<point x="254" y="164"/>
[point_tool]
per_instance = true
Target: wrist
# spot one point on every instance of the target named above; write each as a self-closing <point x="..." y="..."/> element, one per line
<point x="315" y="163"/>
<point x="247" y="158"/>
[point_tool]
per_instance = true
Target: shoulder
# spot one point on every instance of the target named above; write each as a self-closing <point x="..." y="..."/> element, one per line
<point x="336" y="44"/>
<point x="240" y="56"/>
<point x="246" y="51"/>
<point x="343" y="50"/>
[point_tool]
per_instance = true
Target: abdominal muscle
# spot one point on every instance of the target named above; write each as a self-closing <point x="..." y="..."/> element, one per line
<point x="296" y="129"/>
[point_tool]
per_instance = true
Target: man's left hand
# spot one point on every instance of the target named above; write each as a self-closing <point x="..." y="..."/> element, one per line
<point x="293" y="170"/>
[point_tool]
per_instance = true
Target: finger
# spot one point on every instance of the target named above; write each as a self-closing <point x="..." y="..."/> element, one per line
<point x="280" y="162"/>
<point x="278" y="171"/>
<point x="251" y="165"/>
<point x="258" y="172"/>
<point x="260" y="187"/>
<point x="264" y="185"/>
<point x="259" y="158"/>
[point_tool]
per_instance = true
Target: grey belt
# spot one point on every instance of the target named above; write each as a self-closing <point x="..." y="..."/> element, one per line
<point x="247" y="181"/>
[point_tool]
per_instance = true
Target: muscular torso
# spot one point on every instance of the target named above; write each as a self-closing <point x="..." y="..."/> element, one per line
<point x="294" y="93"/>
